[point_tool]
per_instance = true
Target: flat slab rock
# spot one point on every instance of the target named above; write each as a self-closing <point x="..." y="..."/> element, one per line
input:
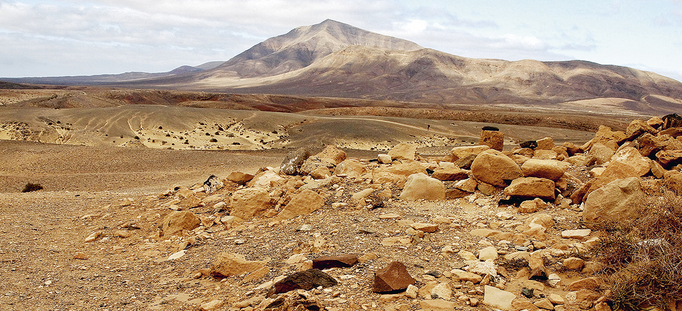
<point x="306" y="280"/>
<point x="341" y="261"/>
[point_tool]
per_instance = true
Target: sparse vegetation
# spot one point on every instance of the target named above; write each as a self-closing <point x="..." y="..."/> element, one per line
<point x="644" y="259"/>
<point x="30" y="187"/>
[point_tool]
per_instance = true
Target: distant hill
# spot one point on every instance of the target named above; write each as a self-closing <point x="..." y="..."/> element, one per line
<point x="334" y="59"/>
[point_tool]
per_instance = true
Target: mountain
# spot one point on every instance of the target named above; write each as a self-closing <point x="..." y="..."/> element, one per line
<point x="334" y="59"/>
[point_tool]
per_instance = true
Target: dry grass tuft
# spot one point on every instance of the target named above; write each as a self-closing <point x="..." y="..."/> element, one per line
<point x="646" y="259"/>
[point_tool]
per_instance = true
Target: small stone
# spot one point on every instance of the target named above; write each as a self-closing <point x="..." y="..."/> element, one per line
<point x="425" y="227"/>
<point x="80" y="256"/>
<point x="573" y="263"/>
<point x="556" y="299"/>
<point x="296" y="258"/>
<point x="442" y="291"/>
<point x="553" y="280"/>
<point x="588" y="283"/>
<point x="94" y="236"/>
<point x="412" y="291"/>
<point x="436" y="304"/>
<point x="544" y="304"/>
<point x="464" y="276"/>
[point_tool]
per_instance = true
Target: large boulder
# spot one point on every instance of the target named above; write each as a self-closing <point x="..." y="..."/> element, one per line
<point x="669" y="158"/>
<point x="637" y="128"/>
<point x="618" y="202"/>
<point x="549" y="169"/>
<point x="546" y="143"/>
<point x="421" y="186"/>
<point x="601" y="153"/>
<point x="250" y="202"/>
<point x="291" y="164"/>
<point x="303" y="203"/>
<point x="326" y="160"/>
<point x="495" y="168"/>
<point x="462" y="152"/>
<point x="626" y="162"/>
<point x="531" y="187"/>
<point x="403" y="151"/>
<point x="492" y="139"/>
<point x="176" y="222"/>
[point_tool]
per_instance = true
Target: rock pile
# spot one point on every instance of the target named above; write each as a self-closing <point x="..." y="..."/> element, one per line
<point x="520" y="248"/>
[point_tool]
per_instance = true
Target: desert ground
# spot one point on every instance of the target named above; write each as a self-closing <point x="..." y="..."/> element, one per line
<point x="92" y="238"/>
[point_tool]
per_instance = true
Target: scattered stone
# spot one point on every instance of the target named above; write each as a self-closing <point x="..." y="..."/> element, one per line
<point x="392" y="278"/>
<point x="546" y="143"/>
<point x="342" y="261"/>
<point x="351" y="168"/>
<point x="463" y="152"/>
<point x="177" y="255"/>
<point x="556" y="299"/>
<point x="497" y="298"/>
<point x="421" y="186"/>
<point x="93" y="236"/>
<point x="495" y="168"/>
<point x="177" y="222"/>
<point x="412" y="291"/>
<point x="306" y="280"/>
<point x="80" y="256"/>
<point x="544" y="303"/>
<point x="425" y="227"/>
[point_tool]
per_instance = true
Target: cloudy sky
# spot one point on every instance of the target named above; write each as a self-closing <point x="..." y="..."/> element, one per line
<point x="73" y="37"/>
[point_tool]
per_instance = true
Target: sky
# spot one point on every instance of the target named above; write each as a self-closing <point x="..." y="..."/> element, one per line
<point x="72" y="37"/>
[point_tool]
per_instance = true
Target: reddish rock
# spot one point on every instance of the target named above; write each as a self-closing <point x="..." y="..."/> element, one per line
<point x="669" y="158"/>
<point x="392" y="278"/>
<point x="546" y="143"/>
<point x="303" y="203"/>
<point x="549" y="169"/>
<point x="637" y="128"/>
<point x="341" y="261"/>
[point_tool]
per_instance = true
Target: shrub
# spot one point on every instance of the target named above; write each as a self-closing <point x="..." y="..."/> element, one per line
<point x="646" y="257"/>
<point x="30" y="187"/>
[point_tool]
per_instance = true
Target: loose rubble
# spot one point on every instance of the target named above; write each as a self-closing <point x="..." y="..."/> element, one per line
<point x="479" y="228"/>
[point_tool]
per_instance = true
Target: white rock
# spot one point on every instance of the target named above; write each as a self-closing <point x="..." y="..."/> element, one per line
<point x="177" y="255"/>
<point x="553" y="280"/>
<point x="297" y="258"/>
<point x="412" y="291"/>
<point x="442" y="291"/>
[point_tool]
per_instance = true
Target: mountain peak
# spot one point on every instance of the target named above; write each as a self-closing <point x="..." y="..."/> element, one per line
<point x="301" y="46"/>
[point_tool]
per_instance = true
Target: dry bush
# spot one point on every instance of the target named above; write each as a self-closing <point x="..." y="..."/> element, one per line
<point x="30" y="187"/>
<point x="646" y="258"/>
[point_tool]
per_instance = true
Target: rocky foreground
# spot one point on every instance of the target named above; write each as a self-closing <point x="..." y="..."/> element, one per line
<point x="479" y="228"/>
